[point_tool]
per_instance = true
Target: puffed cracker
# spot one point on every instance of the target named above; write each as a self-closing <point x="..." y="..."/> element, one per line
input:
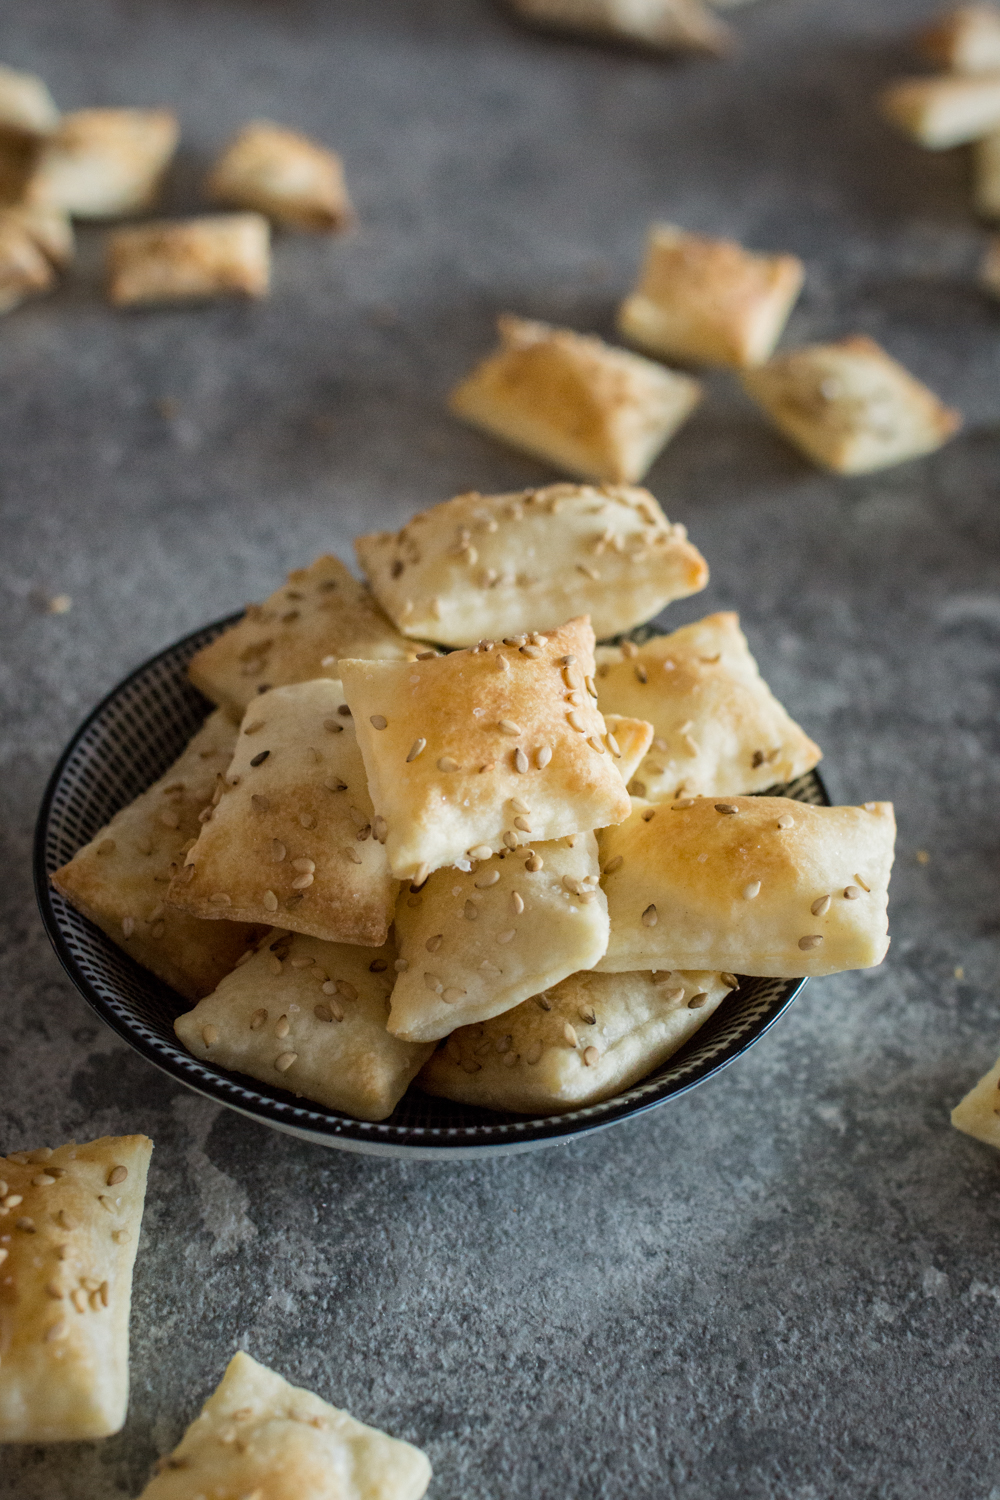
<point x="494" y="565"/>
<point x="309" y="1016"/>
<point x="102" y="163"/>
<point x="849" y="407"/>
<point x="319" y="615"/>
<point x="258" y="1436"/>
<point x="964" y="40"/>
<point x="69" y="1229"/>
<point x="284" y="175"/>
<point x="290" y="838"/>
<point x="944" y="111"/>
<point x="450" y="743"/>
<point x="26" y="106"/>
<point x="120" y="879"/>
<point x="718" y="728"/>
<point x="583" y="1041"/>
<point x="978" y="1114"/>
<point x="666" y="25"/>
<point x="597" y="412"/>
<point x="748" y="885"/>
<point x="183" y="260"/>
<point x="709" y="301"/>
<point x="476" y="943"/>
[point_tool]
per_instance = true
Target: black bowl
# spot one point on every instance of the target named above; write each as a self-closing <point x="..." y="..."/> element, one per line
<point x="128" y="741"/>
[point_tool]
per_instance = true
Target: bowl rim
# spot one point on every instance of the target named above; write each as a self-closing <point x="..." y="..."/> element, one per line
<point x="301" y="1117"/>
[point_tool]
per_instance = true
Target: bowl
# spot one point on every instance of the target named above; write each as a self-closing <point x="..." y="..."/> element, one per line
<point x="125" y="744"/>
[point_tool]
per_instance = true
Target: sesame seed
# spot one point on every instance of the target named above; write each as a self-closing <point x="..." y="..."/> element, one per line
<point x="307" y="820"/>
<point x="335" y="784"/>
<point x="613" y="865"/>
<point x="506" y="937"/>
<point x="489" y="878"/>
<point x="219" y="898"/>
<point x="674" y="995"/>
<point x="401" y="965"/>
<point x="812" y="941"/>
<point x="417" y="748"/>
<point x="470" y="911"/>
<point x="575" y="886"/>
<point x="303" y="882"/>
<point x="378" y="721"/>
<point x="542" y="756"/>
<point x="511" y="840"/>
<point x="433" y="983"/>
<point x="332" y="727"/>
<point x="259" y="760"/>
<point x="682" y="803"/>
<point x="253" y="728"/>
<point x="567" y="661"/>
<point x="420" y="876"/>
<point x="751" y="891"/>
<point x="820" y="906"/>
<point x="345" y="988"/>
<point x="381" y="828"/>
<point x="588" y="572"/>
<point x="377" y="966"/>
<point x="327" y="1011"/>
<point x="42" y="1180"/>
<point x="447" y="764"/>
<point x="613" y="745"/>
<point x="433" y="943"/>
<point x="649" y="917"/>
<point x="301" y="962"/>
<point x="282" y="1028"/>
<point x="649" y="814"/>
<point x="170" y="819"/>
<point x="480" y="851"/>
<point x="786" y="821"/>
<point x="57" y="1330"/>
<point x="861" y="883"/>
<point x="591" y="1057"/>
<point x="588" y="1014"/>
<point x="258" y="1019"/>
<point x="595" y="744"/>
<point x="533" y="1054"/>
<point x="730" y="981"/>
<point x="729" y="808"/>
<point x="522" y="824"/>
<point x="533" y="863"/>
<point x="517" y="903"/>
<point x="569" y="1033"/>
<point x="344" y="711"/>
<point x="697" y="1001"/>
<point x="588" y="683"/>
<point x="117" y="1175"/>
<point x="851" y="893"/>
<point x="507" y="726"/>
<point x="452" y="993"/>
<point x="259" y="804"/>
<point x="575" y="722"/>
<point x="107" y="1203"/>
<point x="285" y="1061"/>
<point x="533" y="651"/>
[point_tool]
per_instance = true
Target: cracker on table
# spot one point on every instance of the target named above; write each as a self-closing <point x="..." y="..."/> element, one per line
<point x="320" y="614"/>
<point x="178" y="260"/>
<point x="964" y="40"/>
<point x="26" y="106"/>
<point x="748" y="885"/>
<point x="69" y="1228"/>
<point x="259" y="1436"/>
<point x="944" y="111"/>
<point x="450" y="743"/>
<point x="666" y="25"/>
<point x="718" y="728"/>
<point x="849" y="407"/>
<point x="585" y="1040"/>
<point x="292" y="835"/>
<point x="597" y="412"/>
<point x="978" y="1113"/>
<point x="473" y="944"/>
<point x="494" y="565"/>
<point x="282" y="174"/>
<point x="121" y="878"/>
<point x="709" y="301"/>
<point x="102" y="163"/>
<point x="309" y="1016"/>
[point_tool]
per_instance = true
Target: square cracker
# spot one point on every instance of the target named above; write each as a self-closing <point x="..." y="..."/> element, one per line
<point x="709" y="301"/>
<point x="284" y="175"/>
<point x="589" y="1038"/>
<point x="493" y="565"/>
<point x="178" y="260"/>
<point x="449" y="744"/>
<point x="595" y="411"/>
<point x="319" y="615"/>
<point x="69" y="1228"/>
<point x="311" y="1017"/>
<point x="667" y="25"/>
<point x="749" y="885"/>
<point x="718" y="728"/>
<point x="979" y="1112"/>
<point x="259" y="1436"/>
<point x="473" y="944"/>
<point x="292" y="828"/>
<point x="944" y="111"/>
<point x="849" y="407"/>
<point x="120" y="879"/>
<point x="101" y="163"/>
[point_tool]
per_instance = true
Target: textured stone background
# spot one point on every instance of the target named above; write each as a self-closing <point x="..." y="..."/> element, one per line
<point x="785" y="1285"/>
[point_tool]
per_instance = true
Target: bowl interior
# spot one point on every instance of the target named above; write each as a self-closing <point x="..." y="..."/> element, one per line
<point x="128" y="741"/>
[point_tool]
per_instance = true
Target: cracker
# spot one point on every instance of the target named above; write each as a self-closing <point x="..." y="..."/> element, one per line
<point x="849" y="407"/>
<point x="666" y="25"/>
<point x="495" y="565"/>
<point x="69" y="1228"/>
<point x="26" y="106"/>
<point x="709" y="301"/>
<point x="597" y="412"/>
<point x="258" y="1436"/>
<point x="749" y="885"/>
<point x="183" y="260"/>
<point x="718" y="728"/>
<point x="284" y="175"/>
<point x="628" y="740"/>
<point x="101" y="163"/>
<point x="120" y="879"/>
<point x="946" y="111"/>
<point x="964" y="40"/>
<point x="475" y="943"/>
<point x="290" y="839"/>
<point x="979" y="1112"/>
<point x="449" y="743"/>
<point x="309" y="1016"/>
<point x="24" y="270"/>
<point x="588" y="1039"/>
<point x="319" y="615"/>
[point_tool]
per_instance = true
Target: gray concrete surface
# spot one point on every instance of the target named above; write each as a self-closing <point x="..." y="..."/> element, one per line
<point x="787" y="1284"/>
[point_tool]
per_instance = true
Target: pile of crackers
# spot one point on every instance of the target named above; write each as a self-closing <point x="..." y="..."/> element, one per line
<point x="434" y="835"/>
